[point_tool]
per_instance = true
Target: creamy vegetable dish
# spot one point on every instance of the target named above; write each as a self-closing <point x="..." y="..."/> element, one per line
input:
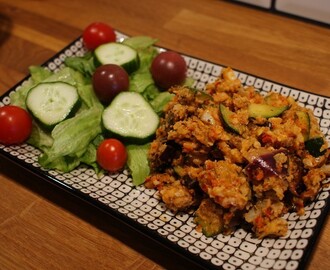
<point x="237" y="157"/>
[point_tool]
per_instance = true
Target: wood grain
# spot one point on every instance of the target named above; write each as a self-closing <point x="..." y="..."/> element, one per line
<point x="42" y="226"/>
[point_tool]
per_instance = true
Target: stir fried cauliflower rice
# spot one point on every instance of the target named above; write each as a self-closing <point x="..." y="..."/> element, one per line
<point x="237" y="158"/>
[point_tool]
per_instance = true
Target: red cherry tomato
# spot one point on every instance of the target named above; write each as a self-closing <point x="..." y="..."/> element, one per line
<point x="111" y="155"/>
<point x="98" y="33"/>
<point x="109" y="80"/>
<point x="168" y="69"/>
<point x="15" y="125"/>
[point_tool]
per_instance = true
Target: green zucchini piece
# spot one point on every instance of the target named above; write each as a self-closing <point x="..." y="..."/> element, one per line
<point x="265" y="110"/>
<point x="304" y="123"/>
<point x="227" y="116"/>
<point x="131" y="118"/>
<point x="313" y="146"/>
<point x="118" y="54"/>
<point x="52" y="102"/>
<point x="209" y="217"/>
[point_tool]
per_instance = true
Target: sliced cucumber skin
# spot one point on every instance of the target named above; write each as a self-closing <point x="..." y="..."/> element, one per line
<point x="129" y="108"/>
<point x="39" y="115"/>
<point x="265" y="110"/>
<point x="225" y="115"/>
<point x="107" y="54"/>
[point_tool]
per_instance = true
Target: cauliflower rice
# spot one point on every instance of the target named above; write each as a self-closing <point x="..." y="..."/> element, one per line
<point x="237" y="158"/>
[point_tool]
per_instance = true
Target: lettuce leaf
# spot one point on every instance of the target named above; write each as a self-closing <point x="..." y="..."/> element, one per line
<point x="137" y="162"/>
<point x="140" y="42"/>
<point x="40" y="138"/>
<point x="39" y="73"/>
<point x="83" y="64"/>
<point x="72" y="138"/>
<point x="140" y="81"/>
<point x="160" y="101"/>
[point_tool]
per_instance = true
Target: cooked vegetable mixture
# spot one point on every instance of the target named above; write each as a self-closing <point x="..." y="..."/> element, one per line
<point x="237" y="157"/>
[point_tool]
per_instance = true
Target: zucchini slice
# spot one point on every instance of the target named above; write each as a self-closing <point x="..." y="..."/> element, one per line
<point x="209" y="217"/>
<point x="227" y="116"/>
<point x="52" y="102"/>
<point x="130" y="117"/>
<point x="265" y="110"/>
<point x="118" y="54"/>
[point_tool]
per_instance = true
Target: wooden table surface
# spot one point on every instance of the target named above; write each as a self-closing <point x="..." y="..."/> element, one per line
<point x="44" y="227"/>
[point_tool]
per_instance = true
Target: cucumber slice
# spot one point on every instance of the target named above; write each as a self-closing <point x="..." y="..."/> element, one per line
<point x="303" y="122"/>
<point x="52" y="102"/>
<point x="130" y="117"/>
<point x="265" y="110"/>
<point x="118" y="54"/>
<point x="227" y="116"/>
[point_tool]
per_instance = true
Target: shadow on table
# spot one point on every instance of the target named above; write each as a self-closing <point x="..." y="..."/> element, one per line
<point x="155" y="251"/>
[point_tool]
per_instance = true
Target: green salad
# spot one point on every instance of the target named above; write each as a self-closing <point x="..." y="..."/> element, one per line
<point x="69" y="135"/>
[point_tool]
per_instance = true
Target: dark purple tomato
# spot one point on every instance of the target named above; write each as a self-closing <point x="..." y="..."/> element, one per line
<point x="109" y="80"/>
<point x="168" y="69"/>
